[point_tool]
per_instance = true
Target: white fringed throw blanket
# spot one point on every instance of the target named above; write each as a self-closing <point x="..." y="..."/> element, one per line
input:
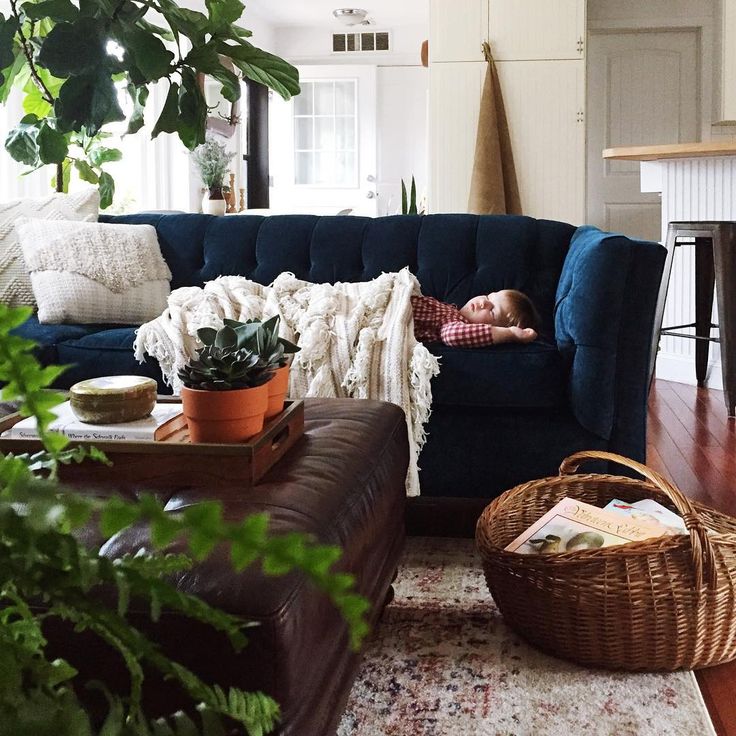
<point x="357" y="339"/>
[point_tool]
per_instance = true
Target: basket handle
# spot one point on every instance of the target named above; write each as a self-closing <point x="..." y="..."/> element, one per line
<point x="704" y="560"/>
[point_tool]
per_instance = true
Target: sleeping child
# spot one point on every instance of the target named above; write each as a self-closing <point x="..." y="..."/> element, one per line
<point x="502" y="316"/>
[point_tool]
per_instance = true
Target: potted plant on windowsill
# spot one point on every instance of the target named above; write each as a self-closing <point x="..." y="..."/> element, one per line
<point x="212" y="160"/>
<point x="225" y="392"/>
<point x="263" y="338"/>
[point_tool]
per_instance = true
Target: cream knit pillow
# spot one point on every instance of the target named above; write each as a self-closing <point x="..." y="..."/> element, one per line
<point x="93" y="273"/>
<point x="15" y="286"/>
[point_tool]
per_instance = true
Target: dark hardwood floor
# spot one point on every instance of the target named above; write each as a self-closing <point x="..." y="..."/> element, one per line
<point x="693" y="443"/>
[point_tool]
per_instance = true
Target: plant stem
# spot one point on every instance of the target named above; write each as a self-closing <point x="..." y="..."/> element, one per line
<point x="28" y="53"/>
<point x="60" y="177"/>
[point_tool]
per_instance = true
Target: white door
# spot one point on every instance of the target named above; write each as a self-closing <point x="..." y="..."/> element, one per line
<point x="323" y="143"/>
<point x="642" y="89"/>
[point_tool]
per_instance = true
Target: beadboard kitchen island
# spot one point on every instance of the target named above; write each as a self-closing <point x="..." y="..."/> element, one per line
<point x="697" y="181"/>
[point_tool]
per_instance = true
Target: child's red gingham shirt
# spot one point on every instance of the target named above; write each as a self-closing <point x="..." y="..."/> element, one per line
<point x="435" y="321"/>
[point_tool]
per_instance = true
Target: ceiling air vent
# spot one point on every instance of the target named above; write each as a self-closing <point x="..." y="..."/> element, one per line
<point x="363" y="41"/>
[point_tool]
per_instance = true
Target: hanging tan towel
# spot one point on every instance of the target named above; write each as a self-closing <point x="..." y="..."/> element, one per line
<point x="493" y="188"/>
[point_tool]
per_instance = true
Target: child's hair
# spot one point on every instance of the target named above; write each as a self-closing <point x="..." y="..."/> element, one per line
<point x="522" y="312"/>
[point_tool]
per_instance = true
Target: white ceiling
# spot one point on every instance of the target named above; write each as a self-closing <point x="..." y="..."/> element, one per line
<point x="386" y="13"/>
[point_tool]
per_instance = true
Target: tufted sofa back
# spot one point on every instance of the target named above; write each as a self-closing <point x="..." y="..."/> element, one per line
<point x="455" y="257"/>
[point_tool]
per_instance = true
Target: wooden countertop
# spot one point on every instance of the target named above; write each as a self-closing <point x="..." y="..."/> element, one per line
<point x="723" y="147"/>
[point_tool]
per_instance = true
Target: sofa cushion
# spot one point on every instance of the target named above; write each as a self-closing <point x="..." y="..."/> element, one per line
<point x="502" y="376"/>
<point x="48" y="336"/>
<point x="105" y="352"/>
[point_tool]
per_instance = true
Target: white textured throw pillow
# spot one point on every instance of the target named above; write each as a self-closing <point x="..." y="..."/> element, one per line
<point x="92" y="273"/>
<point x="15" y="286"/>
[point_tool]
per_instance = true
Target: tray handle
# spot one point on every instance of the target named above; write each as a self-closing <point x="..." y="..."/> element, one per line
<point x="703" y="555"/>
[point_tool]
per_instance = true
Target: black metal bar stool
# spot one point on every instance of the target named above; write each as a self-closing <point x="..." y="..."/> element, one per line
<point x="715" y="264"/>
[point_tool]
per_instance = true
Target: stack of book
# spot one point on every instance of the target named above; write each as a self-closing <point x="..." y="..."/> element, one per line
<point x="573" y="525"/>
<point x="164" y="420"/>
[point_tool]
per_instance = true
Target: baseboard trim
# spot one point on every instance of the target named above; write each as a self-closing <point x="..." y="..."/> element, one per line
<point x="682" y="370"/>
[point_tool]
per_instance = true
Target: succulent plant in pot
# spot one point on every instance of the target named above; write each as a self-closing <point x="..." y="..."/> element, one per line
<point x="225" y="388"/>
<point x="263" y="338"/>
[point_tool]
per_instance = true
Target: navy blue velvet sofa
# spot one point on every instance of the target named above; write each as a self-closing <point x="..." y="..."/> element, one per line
<point x="501" y="415"/>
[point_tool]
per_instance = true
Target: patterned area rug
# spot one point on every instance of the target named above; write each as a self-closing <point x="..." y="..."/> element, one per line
<point x="443" y="663"/>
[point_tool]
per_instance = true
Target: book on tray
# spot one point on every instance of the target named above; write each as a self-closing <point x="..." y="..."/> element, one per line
<point x="574" y="525"/>
<point x="164" y="420"/>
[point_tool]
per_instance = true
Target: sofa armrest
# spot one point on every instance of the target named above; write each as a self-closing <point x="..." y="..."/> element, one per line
<point x="604" y="316"/>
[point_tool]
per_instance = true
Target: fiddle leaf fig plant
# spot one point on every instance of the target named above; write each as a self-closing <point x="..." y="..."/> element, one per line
<point x="75" y="62"/>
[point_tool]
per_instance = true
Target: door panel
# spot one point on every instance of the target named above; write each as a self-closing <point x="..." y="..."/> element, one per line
<point x="642" y="89"/>
<point x="323" y="142"/>
<point x="536" y="29"/>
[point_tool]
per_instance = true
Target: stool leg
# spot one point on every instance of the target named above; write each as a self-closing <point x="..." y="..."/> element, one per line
<point x="704" y="278"/>
<point x="661" y="299"/>
<point x="724" y="252"/>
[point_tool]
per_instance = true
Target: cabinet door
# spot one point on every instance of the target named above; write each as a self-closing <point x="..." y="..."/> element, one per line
<point x="455" y="91"/>
<point x="457" y="30"/>
<point x="536" y="29"/>
<point x="728" y="81"/>
<point x="544" y="106"/>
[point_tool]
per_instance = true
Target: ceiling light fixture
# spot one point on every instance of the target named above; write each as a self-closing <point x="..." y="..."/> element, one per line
<point x="351" y="16"/>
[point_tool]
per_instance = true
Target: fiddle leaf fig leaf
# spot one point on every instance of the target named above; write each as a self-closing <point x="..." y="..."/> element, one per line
<point x="205" y="59"/>
<point x="102" y="155"/>
<point x="85" y="171"/>
<point x="7" y="33"/>
<point x="150" y="55"/>
<point x="139" y="95"/>
<point x="192" y="112"/>
<point x="52" y="145"/>
<point x="88" y="101"/>
<point x="73" y="48"/>
<point x="224" y="12"/>
<point x="21" y="142"/>
<point x="107" y="190"/>
<point x="169" y="117"/>
<point x="56" y="10"/>
<point x="260" y="66"/>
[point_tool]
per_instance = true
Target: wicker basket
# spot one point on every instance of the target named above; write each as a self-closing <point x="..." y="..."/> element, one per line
<point x="662" y="604"/>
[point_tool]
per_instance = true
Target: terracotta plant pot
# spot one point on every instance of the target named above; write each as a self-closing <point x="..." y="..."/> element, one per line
<point x="278" y="387"/>
<point x="224" y="416"/>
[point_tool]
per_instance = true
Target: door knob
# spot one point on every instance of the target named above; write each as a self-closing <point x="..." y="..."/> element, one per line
<point x="371" y="195"/>
<point x="370" y="178"/>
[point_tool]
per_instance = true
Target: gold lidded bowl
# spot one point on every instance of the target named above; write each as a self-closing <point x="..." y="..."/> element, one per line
<point x="113" y="399"/>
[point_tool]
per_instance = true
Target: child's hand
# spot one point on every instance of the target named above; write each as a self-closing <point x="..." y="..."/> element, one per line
<point x="513" y="334"/>
<point x="526" y="334"/>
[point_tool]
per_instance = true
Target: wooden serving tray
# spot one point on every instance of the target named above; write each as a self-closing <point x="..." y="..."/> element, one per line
<point x="175" y="463"/>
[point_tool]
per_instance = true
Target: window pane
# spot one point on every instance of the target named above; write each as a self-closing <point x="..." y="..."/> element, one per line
<point x="338" y="42"/>
<point x="324" y="98"/>
<point x="367" y="41"/>
<point x="345" y="97"/>
<point x="324" y="168"/>
<point x="303" y="101"/>
<point x="324" y="134"/>
<point x="303" y="129"/>
<point x="345" y="134"/>
<point x="345" y="173"/>
<point x="304" y="168"/>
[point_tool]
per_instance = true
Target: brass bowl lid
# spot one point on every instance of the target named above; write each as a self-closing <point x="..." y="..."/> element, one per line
<point x="114" y="388"/>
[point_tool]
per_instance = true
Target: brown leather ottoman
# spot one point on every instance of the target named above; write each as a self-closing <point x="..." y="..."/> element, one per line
<point x="344" y="483"/>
